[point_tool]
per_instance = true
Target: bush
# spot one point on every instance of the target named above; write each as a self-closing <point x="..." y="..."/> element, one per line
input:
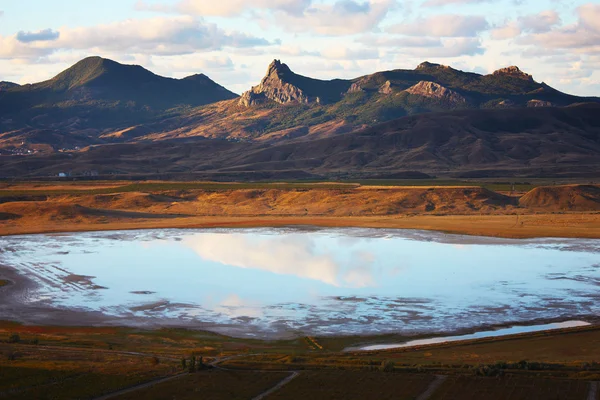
<point x="192" y="367"/>
<point x="387" y="366"/>
<point x="14" y="338"/>
<point x="154" y="360"/>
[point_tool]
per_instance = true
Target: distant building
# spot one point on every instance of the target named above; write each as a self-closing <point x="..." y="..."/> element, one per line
<point x="62" y="175"/>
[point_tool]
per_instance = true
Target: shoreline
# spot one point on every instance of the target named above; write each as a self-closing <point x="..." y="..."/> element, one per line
<point x="528" y="226"/>
<point x="45" y="315"/>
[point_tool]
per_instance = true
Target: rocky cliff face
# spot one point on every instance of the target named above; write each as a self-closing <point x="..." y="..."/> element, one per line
<point x="514" y="72"/>
<point x="436" y="91"/>
<point x="539" y="103"/>
<point x="283" y="86"/>
<point x="276" y="86"/>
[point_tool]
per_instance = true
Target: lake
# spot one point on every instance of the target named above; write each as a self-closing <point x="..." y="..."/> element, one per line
<point x="280" y="282"/>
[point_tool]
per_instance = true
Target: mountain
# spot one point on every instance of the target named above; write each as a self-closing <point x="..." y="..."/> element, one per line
<point x="99" y="102"/>
<point x="7" y="85"/>
<point x="286" y="105"/>
<point x="521" y="142"/>
<point x="282" y="86"/>
<point x="97" y="94"/>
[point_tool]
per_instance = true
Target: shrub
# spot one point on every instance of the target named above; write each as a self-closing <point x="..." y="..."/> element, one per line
<point x="154" y="360"/>
<point x="387" y="366"/>
<point x="14" y="338"/>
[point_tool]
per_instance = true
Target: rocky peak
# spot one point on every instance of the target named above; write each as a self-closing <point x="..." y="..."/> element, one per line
<point x="386" y="88"/>
<point x="539" y="103"/>
<point x="514" y="72"/>
<point x="277" y="68"/>
<point x="436" y="91"/>
<point x="428" y="65"/>
<point x="278" y="85"/>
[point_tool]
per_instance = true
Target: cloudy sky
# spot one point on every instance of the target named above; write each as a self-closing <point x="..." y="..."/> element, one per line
<point x="233" y="41"/>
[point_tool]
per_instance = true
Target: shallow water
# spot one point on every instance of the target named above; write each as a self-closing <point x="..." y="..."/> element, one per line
<point x="513" y="330"/>
<point x="331" y="281"/>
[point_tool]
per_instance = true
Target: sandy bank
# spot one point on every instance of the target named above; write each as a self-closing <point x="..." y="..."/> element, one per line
<point x="572" y="225"/>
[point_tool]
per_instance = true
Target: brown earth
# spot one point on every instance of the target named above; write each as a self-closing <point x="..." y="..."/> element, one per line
<point x="562" y="211"/>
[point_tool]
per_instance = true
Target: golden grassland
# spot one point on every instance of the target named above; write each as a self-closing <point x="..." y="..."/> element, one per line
<point x="561" y="211"/>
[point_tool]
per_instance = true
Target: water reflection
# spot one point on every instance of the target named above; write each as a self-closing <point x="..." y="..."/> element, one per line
<point x="291" y="254"/>
<point x="269" y="281"/>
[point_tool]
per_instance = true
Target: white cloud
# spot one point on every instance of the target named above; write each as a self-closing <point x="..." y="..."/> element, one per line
<point x="399" y="41"/>
<point x="288" y="255"/>
<point x="582" y="36"/>
<point x="448" y="25"/>
<point x="541" y="22"/>
<point x="39" y="36"/>
<point x="508" y="31"/>
<point x="226" y="8"/>
<point x="437" y="3"/>
<point x="345" y="53"/>
<point x="344" y="17"/>
<point x="155" y="36"/>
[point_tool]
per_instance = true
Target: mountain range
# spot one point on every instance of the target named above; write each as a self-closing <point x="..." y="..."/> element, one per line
<point x="440" y="120"/>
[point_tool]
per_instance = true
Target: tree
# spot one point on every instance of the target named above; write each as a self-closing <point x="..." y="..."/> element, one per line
<point x="387" y="366"/>
<point x="200" y="364"/>
<point x="183" y="363"/>
<point x="14" y="338"/>
<point x="192" y="364"/>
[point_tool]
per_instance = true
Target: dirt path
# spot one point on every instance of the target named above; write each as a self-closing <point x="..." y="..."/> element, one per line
<point x="439" y="379"/>
<point x="275" y="388"/>
<point x="593" y="393"/>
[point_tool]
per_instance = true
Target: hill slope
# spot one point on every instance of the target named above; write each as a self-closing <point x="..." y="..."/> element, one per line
<point x="97" y="94"/>
<point x="98" y="101"/>
<point x="534" y="142"/>
<point x="286" y="105"/>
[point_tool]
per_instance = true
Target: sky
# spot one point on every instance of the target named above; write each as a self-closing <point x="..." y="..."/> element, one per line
<point x="233" y="41"/>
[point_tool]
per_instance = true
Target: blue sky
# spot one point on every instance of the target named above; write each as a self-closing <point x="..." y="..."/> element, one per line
<point x="233" y="41"/>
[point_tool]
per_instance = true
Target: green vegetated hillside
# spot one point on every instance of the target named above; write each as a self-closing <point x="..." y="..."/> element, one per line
<point x="526" y="142"/>
<point x="442" y="121"/>
<point x="94" y="95"/>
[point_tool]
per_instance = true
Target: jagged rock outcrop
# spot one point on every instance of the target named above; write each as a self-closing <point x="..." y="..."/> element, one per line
<point x="283" y="86"/>
<point x="506" y="104"/>
<point x="514" y="72"/>
<point x="427" y="65"/>
<point x="275" y="86"/>
<point x="436" y="91"/>
<point x="356" y="87"/>
<point x="539" y="103"/>
<point x="386" y="88"/>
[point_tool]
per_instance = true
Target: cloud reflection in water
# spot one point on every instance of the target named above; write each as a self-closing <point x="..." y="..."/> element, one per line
<point x="292" y="254"/>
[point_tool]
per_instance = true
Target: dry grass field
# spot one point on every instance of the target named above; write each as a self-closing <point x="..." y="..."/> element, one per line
<point x="560" y="211"/>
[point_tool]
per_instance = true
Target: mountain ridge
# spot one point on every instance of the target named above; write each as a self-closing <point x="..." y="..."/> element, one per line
<point x="98" y="101"/>
<point x="495" y="143"/>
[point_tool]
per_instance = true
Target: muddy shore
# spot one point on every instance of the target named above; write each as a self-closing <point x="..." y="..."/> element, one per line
<point x="568" y="225"/>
